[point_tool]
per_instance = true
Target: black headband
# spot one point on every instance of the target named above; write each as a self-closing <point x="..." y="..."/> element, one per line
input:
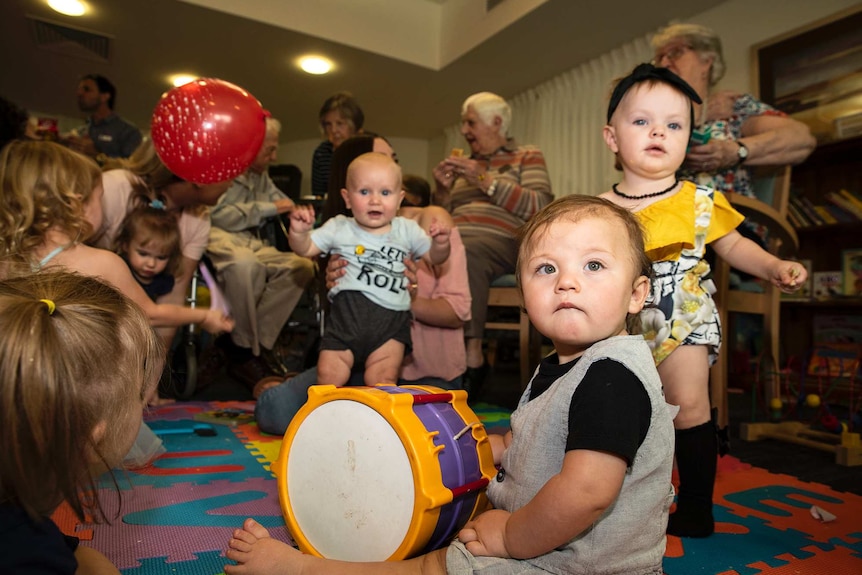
<point x="649" y="72"/>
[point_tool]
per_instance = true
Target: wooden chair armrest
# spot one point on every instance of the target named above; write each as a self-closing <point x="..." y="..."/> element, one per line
<point x="765" y="214"/>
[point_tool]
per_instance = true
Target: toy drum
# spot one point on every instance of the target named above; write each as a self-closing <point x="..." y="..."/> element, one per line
<point x="382" y="473"/>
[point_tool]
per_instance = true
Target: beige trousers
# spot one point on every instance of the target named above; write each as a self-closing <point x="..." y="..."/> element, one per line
<point x="261" y="284"/>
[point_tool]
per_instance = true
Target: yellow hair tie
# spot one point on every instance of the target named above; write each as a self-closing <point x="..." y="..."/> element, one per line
<point x="50" y="304"/>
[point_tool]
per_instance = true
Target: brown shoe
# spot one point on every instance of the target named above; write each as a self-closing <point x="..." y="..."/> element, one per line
<point x="250" y="372"/>
<point x="266" y="383"/>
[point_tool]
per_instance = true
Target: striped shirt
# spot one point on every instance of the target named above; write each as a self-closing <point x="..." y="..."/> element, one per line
<point x="521" y="188"/>
<point x="321" y="163"/>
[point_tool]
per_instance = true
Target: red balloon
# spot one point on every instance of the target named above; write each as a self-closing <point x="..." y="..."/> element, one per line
<point x="208" y="130"/>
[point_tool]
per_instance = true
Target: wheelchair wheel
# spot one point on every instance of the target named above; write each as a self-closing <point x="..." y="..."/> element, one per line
<point x="185" y="369"/>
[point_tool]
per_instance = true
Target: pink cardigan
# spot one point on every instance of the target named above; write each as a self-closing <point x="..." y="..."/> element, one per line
<point x="438" y="351"/>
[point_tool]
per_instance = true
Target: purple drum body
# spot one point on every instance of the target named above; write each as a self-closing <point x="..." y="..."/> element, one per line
<point x="459" y="463"/>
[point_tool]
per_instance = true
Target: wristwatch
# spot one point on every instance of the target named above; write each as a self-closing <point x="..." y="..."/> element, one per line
<point x="491" y="189"/>
<point x="741" y="152"/>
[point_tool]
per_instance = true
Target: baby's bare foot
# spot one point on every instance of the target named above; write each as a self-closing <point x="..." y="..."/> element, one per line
<point x="255" y="552"/>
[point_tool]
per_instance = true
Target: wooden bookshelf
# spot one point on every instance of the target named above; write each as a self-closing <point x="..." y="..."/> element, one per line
<point x="830" y="167"/>
<point x="849" y="302"/>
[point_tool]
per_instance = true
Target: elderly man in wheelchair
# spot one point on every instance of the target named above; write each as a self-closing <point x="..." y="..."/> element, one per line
<point x="262" y="285"/>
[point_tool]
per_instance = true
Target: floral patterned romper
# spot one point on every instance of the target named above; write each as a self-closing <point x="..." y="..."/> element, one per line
<point x="680" y="309"/>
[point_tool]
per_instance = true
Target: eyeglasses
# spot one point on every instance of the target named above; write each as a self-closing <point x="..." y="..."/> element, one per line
<point x="672" y="54"/>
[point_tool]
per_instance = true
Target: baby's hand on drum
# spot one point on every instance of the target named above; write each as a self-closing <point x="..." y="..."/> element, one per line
<point x="485" y="535"/>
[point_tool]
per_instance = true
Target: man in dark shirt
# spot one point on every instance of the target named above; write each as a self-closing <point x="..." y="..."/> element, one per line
<point x="105" y="135"/>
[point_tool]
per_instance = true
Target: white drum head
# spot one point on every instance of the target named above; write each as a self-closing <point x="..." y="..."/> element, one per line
<point x="349" y="482"/>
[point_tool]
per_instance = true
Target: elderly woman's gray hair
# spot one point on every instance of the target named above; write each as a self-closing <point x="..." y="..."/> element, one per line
<point x="488" y="105"/>
<point x="701" y="39"/>
<point x="273" y="126"/>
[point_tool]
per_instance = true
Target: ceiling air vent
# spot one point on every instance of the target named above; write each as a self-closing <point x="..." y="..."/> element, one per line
<point x="68" y="41"/>
<point x="848" y="126"/>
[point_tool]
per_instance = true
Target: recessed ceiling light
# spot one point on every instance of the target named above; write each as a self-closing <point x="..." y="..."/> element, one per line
<point x="315" y="64"/>
<point x="180" y="79"/>
<point x="68" y="7"/>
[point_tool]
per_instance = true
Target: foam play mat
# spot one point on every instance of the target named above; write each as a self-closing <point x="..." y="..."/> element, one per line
<point x="177" y="515"/>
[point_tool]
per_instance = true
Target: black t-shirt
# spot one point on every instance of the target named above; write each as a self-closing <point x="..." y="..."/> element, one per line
<point x="161" y="284"/>
<point x="610" y="409"/>
<point x="34" y="548"/>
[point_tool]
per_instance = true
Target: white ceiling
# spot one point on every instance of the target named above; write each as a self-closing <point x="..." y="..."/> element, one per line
<point x="410" y="63"/>
<point x="428" y="33"/>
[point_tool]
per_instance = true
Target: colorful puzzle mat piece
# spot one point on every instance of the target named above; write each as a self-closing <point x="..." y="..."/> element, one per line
<point x="198" y="459"/>
<point x="262" y="446"/>
<point x="178" y="515"/>
<point x="764" y="527"/>
<point x="180" y="522"/>
<point x="206" y="563"/>
<point x="495" y="419"/>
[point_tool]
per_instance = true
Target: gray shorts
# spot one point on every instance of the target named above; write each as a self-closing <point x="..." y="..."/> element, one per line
<point x="358" y="324"/>
<point x="459" y="561"/>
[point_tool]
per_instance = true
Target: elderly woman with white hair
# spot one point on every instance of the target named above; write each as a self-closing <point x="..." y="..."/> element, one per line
<point x="741" y="130"/>
<point x="491" y="192"/>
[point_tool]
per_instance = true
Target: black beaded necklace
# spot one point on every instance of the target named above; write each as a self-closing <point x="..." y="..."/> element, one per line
<point x="653" y="195"/>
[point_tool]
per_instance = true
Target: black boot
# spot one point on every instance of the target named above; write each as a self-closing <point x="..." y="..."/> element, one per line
<point x="722" y="434"/>
<point x="696" y="451"/>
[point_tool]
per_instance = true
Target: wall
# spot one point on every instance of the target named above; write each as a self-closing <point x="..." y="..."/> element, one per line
<point x="743" y="24"/>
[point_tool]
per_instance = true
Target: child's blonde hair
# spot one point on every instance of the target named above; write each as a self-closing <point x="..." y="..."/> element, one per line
<point x="154" y="227"/>
<point x="74" y="354"/>
<point x="43" y="185"/>
<point x="374" y="159"/>
<point x="575" y="208"/>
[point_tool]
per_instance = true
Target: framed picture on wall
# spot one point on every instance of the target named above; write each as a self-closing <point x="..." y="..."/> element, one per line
<point x="815" y="75"/>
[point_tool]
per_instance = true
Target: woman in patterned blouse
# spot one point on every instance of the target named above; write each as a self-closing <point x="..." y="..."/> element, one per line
<point x="739" y="131"/>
